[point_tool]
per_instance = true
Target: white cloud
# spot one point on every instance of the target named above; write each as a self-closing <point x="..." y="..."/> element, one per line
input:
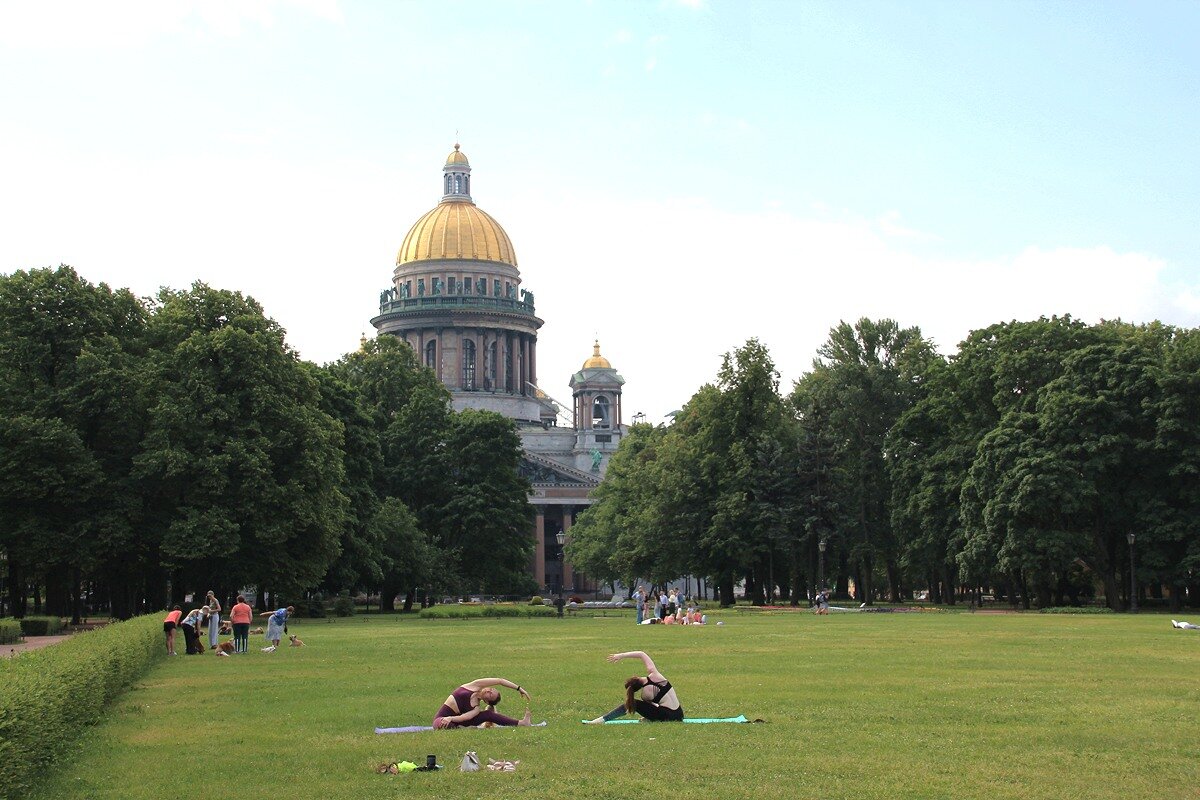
<point x="668" y="285"/>
<point x="889" y="224"/>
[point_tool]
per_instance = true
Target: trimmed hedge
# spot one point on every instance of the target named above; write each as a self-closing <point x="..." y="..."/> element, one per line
<point x="42" y="626"/>
<point x="477" y="612"/>
<point x="48" y="697"/>
<point x="10" y="631"/>
<point x="1075" y="610"/>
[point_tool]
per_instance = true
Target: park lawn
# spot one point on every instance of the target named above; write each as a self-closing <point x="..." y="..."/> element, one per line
<point x="857" y="706"/>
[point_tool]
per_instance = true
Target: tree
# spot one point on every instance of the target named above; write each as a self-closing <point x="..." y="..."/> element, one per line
<point x="871" y="372"/>
<point x="241" y="466"/>
<point x="487" y="516"/>
<point x="69" y="354"/>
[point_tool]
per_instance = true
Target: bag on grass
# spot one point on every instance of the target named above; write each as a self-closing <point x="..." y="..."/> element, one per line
<point x="470" y="762"/>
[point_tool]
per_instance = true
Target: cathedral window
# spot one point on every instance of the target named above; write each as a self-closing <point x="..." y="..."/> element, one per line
<point x="431" y="355"/>
<point x="468" y="354"/>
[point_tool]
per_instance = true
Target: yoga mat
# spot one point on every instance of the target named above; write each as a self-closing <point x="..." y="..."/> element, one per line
<point x="417" y="728"/>
<point x="695" y="720"/>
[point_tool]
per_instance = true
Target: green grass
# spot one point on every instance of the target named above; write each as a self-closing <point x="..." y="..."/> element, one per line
<point x="858" y="705"/>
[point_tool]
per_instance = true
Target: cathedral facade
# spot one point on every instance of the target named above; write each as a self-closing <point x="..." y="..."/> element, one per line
<point x="456" y="299"/>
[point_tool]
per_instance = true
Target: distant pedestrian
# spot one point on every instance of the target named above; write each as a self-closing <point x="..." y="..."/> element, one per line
<point x="191" y="630"/>
<point x="240" y="615"/>
<point x="276" y="620"/>
<point x="672" y="604"/>
<point x="214" y="619"/>
<point x="639" y="600"/>
<point x="170" y="623"/>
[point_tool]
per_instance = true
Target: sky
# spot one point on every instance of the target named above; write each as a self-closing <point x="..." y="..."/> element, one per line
<point x="676" y="176"/>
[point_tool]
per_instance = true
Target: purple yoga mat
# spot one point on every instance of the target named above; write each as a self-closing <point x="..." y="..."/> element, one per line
<point x="417" y="728"/>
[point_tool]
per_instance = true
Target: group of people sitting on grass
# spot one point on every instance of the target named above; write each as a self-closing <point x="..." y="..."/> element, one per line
<point x="666" y="608"/>
<point x="464" y="708"/>
<point x="238" y="626"/>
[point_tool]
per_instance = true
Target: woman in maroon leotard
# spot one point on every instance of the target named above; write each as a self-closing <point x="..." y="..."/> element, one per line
<point x="464" y="707"/>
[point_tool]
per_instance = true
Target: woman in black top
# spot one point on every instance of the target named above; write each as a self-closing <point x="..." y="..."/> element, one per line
<point x="658" y="703"/>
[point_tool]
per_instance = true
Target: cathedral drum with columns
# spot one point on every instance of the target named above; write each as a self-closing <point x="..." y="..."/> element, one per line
<point x="456" y="299"/>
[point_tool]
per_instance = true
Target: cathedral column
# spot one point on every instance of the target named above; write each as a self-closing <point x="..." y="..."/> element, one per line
<point x="533" y="360"/>
<point x="568" y="577"/>
<point x="514" y="364"/>
<point x="484" y="382"/>
<point x="539" y="549"/>
<point x="524" y="364"/>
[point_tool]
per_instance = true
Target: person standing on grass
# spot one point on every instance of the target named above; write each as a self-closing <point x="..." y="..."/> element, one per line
<point x="275" y="621"/>
<point x="240" y="615"/>
<point x="170" y="623"/>
<point x="639" y="599"/>
<point x="658" y="703"/>
<point x="214" y="619"/>
<point x="464" y="707"/>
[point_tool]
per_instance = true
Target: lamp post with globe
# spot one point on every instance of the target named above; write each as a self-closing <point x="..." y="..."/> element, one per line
<point x="562" y="541"/>
<point x="1132" y="575"/>
<point x="821" y="565"/>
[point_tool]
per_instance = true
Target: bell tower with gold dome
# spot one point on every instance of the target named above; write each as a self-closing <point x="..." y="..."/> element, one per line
<point x="456" y="299"/>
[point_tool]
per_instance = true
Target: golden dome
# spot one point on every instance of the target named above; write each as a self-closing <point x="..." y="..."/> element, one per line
<point x="597" y="361"/>
<point x="457" y="157"/>
<point x="456" y="229"/>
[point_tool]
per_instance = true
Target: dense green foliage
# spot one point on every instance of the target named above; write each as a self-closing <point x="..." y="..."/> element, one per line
<point x="10" y="631"/>
<point x="871" y="706"/>
<point x="1017" y="466"/>
<point x="50" y="697"/>
<point x="156" y="447"/>
<point x="41" y="626"/>
<point x="489" y="611"/>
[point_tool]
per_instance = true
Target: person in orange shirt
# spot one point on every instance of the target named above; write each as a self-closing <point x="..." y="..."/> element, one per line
<point x="170" y="623"/>
<point x="240" y="615"/>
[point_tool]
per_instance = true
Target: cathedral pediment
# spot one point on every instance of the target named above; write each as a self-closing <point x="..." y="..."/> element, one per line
<point x="543" y="471"/>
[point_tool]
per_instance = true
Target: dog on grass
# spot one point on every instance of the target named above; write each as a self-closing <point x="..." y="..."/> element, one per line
<point x="224" y="648"/>
<point x="295" y="641"/>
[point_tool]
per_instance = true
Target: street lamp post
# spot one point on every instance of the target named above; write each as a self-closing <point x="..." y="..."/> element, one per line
<point x="1132" y="575"/>
<point x="821" y="564"/>
<point x="562" y="540"/>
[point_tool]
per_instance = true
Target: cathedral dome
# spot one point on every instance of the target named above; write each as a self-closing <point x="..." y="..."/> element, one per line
<point x="456" y="230"/>
<point x="597" y="361"/>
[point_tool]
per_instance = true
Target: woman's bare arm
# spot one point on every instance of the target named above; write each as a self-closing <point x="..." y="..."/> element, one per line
<point x="483" y="683"/>
<point x="646" y="660"/>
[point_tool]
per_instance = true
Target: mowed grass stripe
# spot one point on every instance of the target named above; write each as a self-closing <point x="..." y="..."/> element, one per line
<point x="859" y="705"/>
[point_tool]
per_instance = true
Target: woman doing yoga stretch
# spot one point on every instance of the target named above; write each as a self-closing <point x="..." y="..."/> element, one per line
<point x="658" y="703"/>
<point x="464" y="707"/>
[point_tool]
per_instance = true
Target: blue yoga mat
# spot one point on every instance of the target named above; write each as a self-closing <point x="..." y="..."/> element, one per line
<point x="694" y="720"/>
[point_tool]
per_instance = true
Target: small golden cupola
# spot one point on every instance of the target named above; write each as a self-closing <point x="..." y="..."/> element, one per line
<point x="597" y="361"/>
